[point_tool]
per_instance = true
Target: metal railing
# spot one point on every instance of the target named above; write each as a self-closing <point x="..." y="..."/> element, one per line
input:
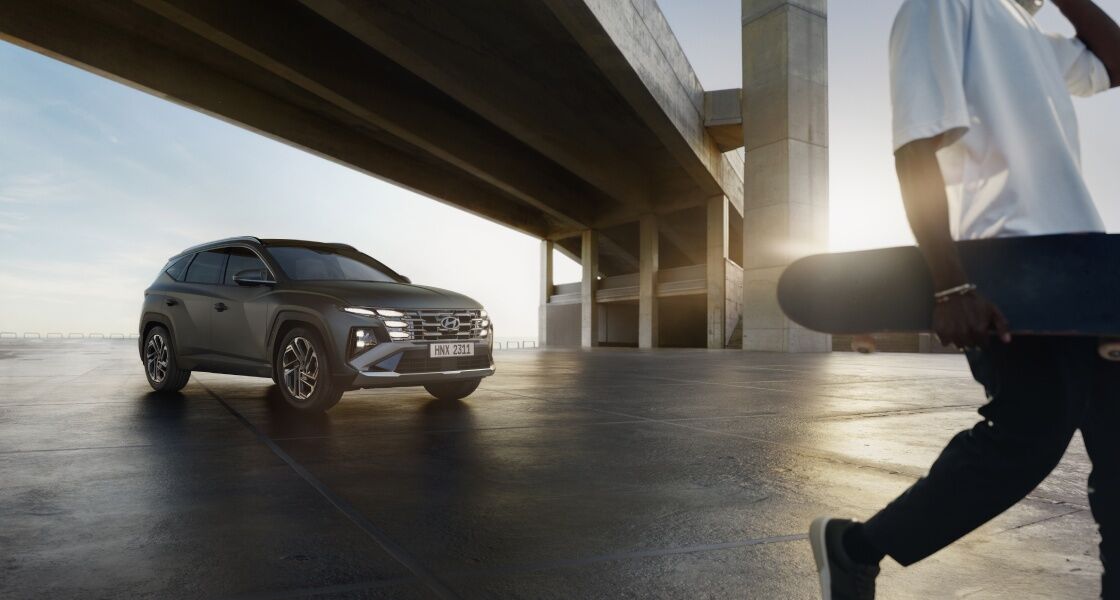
<point x="98" y="336"/>
<point x="73" y="335"/>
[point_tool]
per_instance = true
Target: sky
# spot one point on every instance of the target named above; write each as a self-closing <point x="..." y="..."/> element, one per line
<point x="100" y="183"/>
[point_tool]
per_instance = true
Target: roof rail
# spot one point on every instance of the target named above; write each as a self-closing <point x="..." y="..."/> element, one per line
<point x="240" y="238"/>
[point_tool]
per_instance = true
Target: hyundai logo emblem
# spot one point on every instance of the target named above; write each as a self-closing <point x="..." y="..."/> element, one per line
<point x="450" y="324"/>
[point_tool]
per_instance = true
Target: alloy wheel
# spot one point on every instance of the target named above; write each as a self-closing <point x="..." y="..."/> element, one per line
<point x="156" y="357"/>
<point x="300" y="368"/>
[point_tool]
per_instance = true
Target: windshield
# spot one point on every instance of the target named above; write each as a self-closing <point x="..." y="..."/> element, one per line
<point x="305" y="263"/>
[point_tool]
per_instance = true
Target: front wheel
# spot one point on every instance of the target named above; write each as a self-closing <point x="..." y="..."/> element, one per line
<point x="161" y="364"/>
<point x="453" y="390"/>
<point x="303" y="372"/>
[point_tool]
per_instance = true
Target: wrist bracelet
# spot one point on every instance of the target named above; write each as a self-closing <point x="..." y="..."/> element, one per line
<point x="960" y="290"/>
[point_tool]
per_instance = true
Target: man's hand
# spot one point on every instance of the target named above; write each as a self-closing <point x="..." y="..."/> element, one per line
<point x="1097" y="31"/>
<point x="968" y="321"/>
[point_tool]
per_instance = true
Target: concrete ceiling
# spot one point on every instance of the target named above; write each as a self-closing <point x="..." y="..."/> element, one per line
<point x="548" y="116"/>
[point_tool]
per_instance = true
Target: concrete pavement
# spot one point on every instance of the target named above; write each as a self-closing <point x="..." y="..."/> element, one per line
<point x="570" y="474"/>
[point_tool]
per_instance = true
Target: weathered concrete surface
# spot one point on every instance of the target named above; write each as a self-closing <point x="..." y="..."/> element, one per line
<point x="570" y="474"/>
<point x="785" y="131"/>
<point x="548" y="116"/>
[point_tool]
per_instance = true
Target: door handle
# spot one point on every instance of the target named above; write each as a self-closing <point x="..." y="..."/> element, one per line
<point x="170" y="302"/>
<point x="221" y="306"/>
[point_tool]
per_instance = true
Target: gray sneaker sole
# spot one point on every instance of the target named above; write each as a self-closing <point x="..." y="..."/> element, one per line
<point x="820" y="555"/>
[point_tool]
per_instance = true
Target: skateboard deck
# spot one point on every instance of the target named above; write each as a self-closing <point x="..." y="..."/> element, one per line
<point x="1047" y="285"/>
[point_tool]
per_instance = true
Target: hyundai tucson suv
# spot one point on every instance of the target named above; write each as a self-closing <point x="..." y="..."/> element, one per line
<point x="319" y="319"/>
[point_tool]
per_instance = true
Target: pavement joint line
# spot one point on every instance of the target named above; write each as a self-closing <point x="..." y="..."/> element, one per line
<point x="326" y="589"/>
<point x="514" y="427"/>
<point x="546" y="565"/>
<point x="375" y="533"/>
<point x="833" y="459"/>
<point x="1042" y="520"/>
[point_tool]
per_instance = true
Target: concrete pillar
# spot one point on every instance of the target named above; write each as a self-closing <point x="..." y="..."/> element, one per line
<point x="589" y="311"/>
<point x="647" y="281"/>
<point x="546" y="292"/>
<point x="785" y="130"/>
<point x="717" y="244"/>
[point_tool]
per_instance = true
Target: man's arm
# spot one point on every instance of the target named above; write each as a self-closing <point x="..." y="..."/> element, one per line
<point x="965" y="320"/>
<point x="1097" y="31"/>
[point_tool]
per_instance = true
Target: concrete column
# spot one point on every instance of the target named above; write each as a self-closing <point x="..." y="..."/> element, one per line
<point x="785" y="130"/>
<point x="546" y="292"/>
<point x="717" y="243"/>
<point x="589" y="311"/>
<point x="647" y="281"/>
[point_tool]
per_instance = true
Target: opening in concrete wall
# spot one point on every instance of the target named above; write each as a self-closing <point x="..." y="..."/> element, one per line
<point x="683" y="321"/>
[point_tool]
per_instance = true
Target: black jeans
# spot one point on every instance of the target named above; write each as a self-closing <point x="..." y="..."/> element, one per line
<point x="1040" y="391"/>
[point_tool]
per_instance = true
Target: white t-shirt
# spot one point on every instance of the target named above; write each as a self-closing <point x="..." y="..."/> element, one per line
<point x="983" y="72"/>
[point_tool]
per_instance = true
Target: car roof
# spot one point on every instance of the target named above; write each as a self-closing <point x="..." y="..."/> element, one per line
<point x="262" y="242"/>
<point x="286" y="242"/>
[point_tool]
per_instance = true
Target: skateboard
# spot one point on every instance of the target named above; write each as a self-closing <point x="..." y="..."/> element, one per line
<point x="1065" y="284"/>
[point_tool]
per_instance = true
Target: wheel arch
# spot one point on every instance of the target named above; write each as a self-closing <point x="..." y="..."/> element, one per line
<point x="287" y="320"/>
<point x="150" y="320"/>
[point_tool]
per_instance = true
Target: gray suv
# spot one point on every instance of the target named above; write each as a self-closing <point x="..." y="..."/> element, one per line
<point x="319" y="319"/>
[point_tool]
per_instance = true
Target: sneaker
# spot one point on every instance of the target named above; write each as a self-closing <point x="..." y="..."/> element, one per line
<point x="841" y="577"/>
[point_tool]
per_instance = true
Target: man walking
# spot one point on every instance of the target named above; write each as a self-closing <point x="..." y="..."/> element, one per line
<point x="986" y="145"/>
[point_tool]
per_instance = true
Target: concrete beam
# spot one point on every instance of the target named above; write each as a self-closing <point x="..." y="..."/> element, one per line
<point x="545" y="291"/>
<point x="723" y="117"/>
<point x="589" y="311"/>
<point x="653" y="75"/>
<point x="383" y="95"/>
<point x="647" y="282"/>
<point x="59" y="30"/>
<point x="717" y="244"/>
<point x="785" y="132"/>
<point x="431" y="39"/>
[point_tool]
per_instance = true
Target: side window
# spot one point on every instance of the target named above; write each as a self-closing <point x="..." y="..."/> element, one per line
<point x="242" y="259"/>
<point x="178" y="268"/>
<point x="207" y="267"/>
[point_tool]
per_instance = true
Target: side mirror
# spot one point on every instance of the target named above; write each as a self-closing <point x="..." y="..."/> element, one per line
<point x="253" y="277"/>
<point x="406" y="279"/>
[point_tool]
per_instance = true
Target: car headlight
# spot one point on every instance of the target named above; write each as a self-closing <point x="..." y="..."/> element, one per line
<point x="354" y="310"/>
<point x="385" y="312"/>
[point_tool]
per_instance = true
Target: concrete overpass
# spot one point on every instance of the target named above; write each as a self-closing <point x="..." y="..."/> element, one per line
<point x="579" y="122"/>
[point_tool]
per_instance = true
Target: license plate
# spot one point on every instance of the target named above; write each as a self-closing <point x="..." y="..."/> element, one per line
<point x="449" y="350"/>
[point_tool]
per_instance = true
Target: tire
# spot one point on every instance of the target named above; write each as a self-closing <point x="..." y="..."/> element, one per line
<point x="453" y="390"/>
<point x="161" y="362"/>
<point x="302" y="371"/>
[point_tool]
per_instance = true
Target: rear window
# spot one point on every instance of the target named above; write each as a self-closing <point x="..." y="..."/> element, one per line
<point x="207" y="267"/>
<point x="178" y="268"/>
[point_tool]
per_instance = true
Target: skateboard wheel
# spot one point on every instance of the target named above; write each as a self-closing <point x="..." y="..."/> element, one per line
<point x="864" y="344"/>
<point x="1110" y="350"/>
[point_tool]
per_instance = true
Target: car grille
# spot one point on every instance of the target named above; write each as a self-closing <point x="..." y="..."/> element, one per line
<point x="419" y="362"/>
<point x="427" y="325"/>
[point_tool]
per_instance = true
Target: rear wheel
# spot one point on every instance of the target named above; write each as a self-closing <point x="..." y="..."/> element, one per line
<point x="302" y="371"/>
<point x="453" y="390"/>
<point x="161" y="365"/>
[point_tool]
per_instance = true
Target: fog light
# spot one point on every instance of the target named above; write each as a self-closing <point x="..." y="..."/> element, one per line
<point x="483" y="333"/>
<point x="398" y="335"/>
<point x="360" y="341"/>
<point x="484" y="323"/>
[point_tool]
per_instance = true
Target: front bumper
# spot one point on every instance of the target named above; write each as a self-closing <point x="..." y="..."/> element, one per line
<point x="372" y="379"/>
<point x="400" y="364"/>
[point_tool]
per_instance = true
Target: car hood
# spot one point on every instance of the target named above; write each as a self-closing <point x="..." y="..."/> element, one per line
<point x="393" y="295"/>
